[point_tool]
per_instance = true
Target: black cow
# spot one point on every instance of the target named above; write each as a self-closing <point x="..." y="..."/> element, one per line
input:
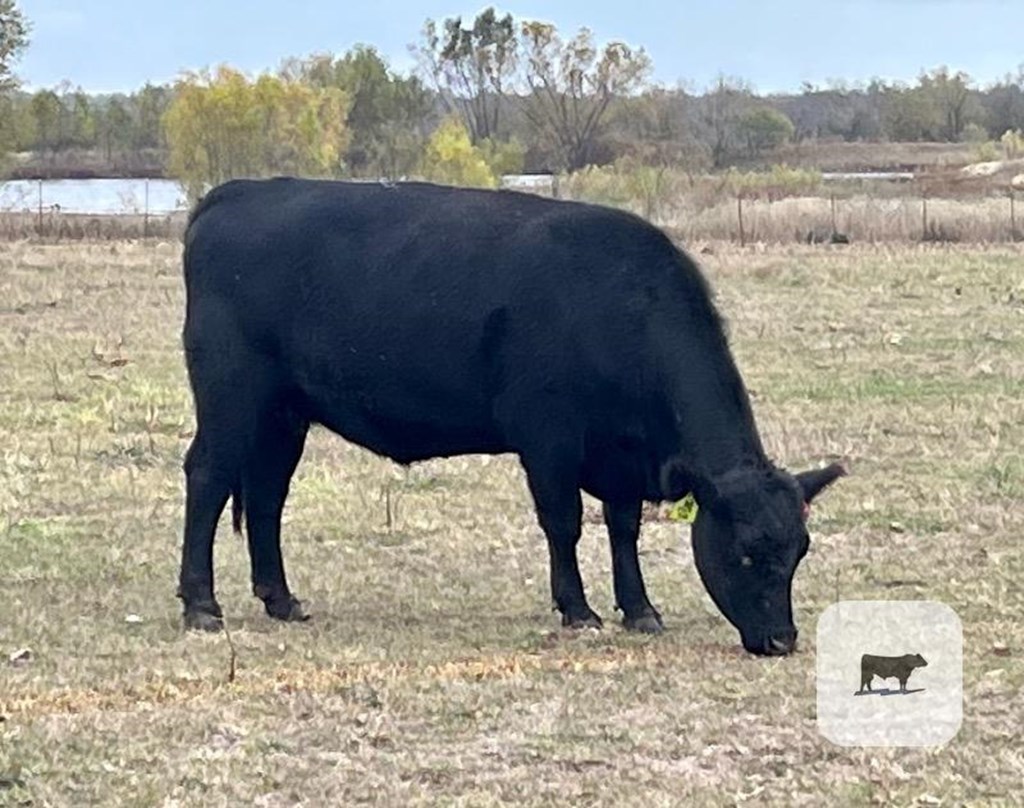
<point x="422" y="321"/>
<point x="888" y="667"/>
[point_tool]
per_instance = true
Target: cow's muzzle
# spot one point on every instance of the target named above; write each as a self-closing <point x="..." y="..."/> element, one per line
<point x="778" y="643"/>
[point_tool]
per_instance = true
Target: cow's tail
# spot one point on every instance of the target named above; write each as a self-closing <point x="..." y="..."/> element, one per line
<point x="237" y="509"/>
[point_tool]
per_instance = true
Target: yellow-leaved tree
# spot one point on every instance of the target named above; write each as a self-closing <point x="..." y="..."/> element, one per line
<point x="451" y="158"/>
<point x="222" y="125"/>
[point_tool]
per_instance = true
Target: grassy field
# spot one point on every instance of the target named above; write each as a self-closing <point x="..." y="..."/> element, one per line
<point x="433" y="671"/>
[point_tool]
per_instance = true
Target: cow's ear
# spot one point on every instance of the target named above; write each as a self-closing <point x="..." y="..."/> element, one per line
<point x="813" y="482"/>
<point x="676" y="483"/>
<point x="707" y="495"/>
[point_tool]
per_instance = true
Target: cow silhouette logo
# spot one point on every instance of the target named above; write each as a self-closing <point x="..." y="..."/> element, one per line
<point x="911" y="678"/>
<point x="888" y="667"/>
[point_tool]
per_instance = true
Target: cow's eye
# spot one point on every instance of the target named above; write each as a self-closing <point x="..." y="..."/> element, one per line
<point x="746" y="561"/>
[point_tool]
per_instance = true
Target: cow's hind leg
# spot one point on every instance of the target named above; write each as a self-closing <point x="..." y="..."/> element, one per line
<point x="207" y="489"/>
<point x="266" y="476"/>
<point x="623" y="522"/>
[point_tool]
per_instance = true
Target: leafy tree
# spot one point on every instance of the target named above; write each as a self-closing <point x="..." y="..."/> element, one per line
<point x="387" y="115"/>
<point x="908" y="114"/>
<point x="722" y="110"/>
<point x="223" y="125"/>
<point x="472" y="68"/>
<point x="835" y="111"/>
<point x="1004" y="104"/>
<point x="83" y="120"/>
<point x="571" y="85"/>
<point x="764" y="128"/>
<point x="450" y="157"/>
<point x="150" y="103"/>
<point x="46" y="111"/>
<point x="658" y="128"/>
<point x="503" y="157"/>
<point x="14" y="30"/>
<point x="66" y="125"/>
<point x="950" y="95"/>
<point x="114" y="127"/>
<point x="17" y="129"/>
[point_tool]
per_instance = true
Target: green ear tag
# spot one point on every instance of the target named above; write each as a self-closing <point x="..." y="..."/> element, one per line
<point x="684" y="511"/>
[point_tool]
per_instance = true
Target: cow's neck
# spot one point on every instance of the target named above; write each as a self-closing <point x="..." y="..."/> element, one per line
<point x="714" y="421"/>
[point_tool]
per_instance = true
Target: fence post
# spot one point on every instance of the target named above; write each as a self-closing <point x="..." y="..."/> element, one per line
<point x="145" y="214"/>
<point x="924" y="217"/>
<point x="1013" y="216"/>
<point x="739" y="214"/>
<point x="835" y="229"/>
<point x="39" y="226"/>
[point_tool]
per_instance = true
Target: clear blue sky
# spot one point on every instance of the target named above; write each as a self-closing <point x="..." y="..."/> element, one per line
<point x="107" y="45"/>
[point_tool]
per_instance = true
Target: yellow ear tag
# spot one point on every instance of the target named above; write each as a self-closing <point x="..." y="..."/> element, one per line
<point x="684" y="511"/>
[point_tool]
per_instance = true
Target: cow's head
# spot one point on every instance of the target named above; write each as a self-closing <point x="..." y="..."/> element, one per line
<point x="748" y="538"/>
<point x="917" y="661"/>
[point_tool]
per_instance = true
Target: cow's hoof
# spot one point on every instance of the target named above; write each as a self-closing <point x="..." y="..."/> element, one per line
<point x="591" y="620"/>
<point x="287" y="608"/>
<point x="647" y="623"/>
<point x="203" y="621"/>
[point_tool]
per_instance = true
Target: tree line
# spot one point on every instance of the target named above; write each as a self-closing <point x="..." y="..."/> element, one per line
<point x="54" y="120"/>
<point x="489" y="95"/>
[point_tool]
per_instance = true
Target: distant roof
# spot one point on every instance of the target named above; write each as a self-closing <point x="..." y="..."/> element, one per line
<point x="527" y="180"/>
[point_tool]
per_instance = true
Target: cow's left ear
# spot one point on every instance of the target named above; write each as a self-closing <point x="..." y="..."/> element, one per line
<point x="813" y="482"/>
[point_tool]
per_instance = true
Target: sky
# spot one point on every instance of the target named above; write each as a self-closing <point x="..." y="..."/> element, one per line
<point x="776" y="45"/>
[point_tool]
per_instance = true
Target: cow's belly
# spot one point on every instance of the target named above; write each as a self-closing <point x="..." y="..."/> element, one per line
<point x="404" y="422"/>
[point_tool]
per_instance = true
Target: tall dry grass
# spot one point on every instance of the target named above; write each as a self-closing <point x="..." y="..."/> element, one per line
<point x="861" y="218"/>
<point x="56" y="226"/>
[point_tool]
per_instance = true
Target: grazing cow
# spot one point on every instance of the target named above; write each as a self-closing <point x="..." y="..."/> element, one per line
<point x="422" y="321"/>
<point x="888" y="667"/>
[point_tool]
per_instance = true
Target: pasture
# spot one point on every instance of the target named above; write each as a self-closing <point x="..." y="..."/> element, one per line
<point x="433" y="671"/>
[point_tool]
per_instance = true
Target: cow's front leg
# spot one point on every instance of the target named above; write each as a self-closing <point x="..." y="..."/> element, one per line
<point x="623" y="522"/>
<point x="554" y="484"/>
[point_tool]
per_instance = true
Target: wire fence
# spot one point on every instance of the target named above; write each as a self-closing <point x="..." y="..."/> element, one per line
<point x="864" y="208"/>
<point x="91" y="209"/>
<point x="862" y="218"/>
<point x="115" y="209"/>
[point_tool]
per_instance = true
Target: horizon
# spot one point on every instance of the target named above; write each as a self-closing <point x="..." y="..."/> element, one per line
<point x="82" y="43"/>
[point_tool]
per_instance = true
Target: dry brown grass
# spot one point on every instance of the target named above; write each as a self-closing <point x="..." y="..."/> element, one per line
<point x="56" y="226"/>
<point x="863" y="156"/>
<point x="783" y="206"/>
<point x="433" y="672"/>
<point x="862" y="218"/>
